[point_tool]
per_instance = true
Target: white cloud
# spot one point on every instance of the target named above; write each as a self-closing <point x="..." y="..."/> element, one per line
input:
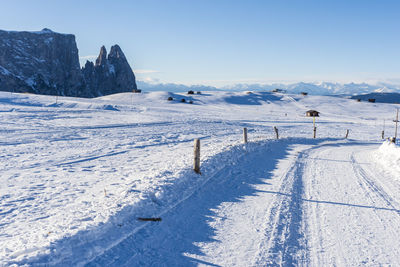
<point x="90" y="57"/>
<point x="149" y="80"/>
<point x="139" y="71"/>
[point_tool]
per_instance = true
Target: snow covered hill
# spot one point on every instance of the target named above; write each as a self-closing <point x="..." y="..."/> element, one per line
<point x="76" y="174"/>
<point x="380" y="97"/>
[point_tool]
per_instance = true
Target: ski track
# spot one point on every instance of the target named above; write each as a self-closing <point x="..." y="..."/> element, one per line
<point x="284" y="237"/>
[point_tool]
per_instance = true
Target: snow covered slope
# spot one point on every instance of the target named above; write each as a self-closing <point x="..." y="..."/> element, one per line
<point x="380" y="97"/>
<point x="77" y="173"/>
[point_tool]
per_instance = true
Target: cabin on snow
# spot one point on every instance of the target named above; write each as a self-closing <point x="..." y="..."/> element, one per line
<point x="312" y="113"/>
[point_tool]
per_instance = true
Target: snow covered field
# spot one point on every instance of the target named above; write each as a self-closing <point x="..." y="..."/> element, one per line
<point x="77" y="173"/>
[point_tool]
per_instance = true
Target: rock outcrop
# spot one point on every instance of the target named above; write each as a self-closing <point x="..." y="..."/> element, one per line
<point x="46" y="62"/>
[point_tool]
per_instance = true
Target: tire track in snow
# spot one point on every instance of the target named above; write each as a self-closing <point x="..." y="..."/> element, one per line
<point x="286" y="244"/>
<point x="316" y="218"/>
<point x="372" y="186"/>
<point x="374" y="192"/>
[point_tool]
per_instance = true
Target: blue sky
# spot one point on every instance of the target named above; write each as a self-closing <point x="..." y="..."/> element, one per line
<point x="218" y="42"/>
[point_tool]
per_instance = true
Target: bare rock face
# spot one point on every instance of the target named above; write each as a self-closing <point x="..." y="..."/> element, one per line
<point x="111" y="74"/>
<point x="124" y="76"/>
<point x="46" y="62"/>
<point x="42" y="62"/>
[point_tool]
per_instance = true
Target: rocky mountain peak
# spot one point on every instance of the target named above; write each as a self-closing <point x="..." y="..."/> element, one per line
<point x="46" y="62"/>
<point x="46" y="30"/>
<point x="102" y="58"/>
<point x="116" y="52"/>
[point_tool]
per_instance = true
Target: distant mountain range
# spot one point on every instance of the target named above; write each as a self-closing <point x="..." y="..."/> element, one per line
<point x="320" y="88"/>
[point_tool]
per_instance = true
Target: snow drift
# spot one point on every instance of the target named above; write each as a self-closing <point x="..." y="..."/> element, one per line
<point x="389" y="156"/>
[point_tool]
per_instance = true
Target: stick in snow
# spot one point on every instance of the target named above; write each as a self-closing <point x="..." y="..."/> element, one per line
<point x="158" y="219"/>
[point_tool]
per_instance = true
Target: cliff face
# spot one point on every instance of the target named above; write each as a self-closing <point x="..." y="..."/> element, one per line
<point x="39" y="62"/>
<point x="46" y="62"/>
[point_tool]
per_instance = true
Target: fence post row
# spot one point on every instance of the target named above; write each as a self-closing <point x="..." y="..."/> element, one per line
<point x="196" y="165"/>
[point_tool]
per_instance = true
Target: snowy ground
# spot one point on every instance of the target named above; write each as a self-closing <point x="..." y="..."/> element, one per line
<point x="77" y="173"/>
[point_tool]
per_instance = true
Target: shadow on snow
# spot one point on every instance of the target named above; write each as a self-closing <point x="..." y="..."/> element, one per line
<point x="172" y="241"/>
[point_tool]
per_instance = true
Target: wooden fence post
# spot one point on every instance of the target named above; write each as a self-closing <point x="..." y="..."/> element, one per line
<point x="196" y="166"/>
<point x="245" y="135"/>
<point x="347" y="134"/>
<point x="395" y="133"/>
<point x="315" y="128"/>
<point x="276" y="132"/>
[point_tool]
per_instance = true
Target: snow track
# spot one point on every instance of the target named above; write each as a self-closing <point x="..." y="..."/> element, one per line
<point x="252" y="214"/>
<point x="311" y="205"/>
<point x="284" y="236"/>
<point x="205" y="228"/>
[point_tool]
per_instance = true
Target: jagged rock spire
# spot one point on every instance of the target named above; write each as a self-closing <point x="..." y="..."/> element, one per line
<point x="111" y="74"/>
<point x="102" y="58"/>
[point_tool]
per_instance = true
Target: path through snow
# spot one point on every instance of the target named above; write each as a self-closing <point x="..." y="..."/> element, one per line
<point x="294" y="202"/>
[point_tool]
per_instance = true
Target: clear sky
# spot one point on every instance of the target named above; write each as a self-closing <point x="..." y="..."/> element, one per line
<point x="219" y="42"/>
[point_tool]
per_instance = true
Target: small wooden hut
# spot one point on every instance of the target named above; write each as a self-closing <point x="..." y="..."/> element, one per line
<point x="312" y="113"/>
<point x="304" y="93"/>
<point x="372" y="100"/>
